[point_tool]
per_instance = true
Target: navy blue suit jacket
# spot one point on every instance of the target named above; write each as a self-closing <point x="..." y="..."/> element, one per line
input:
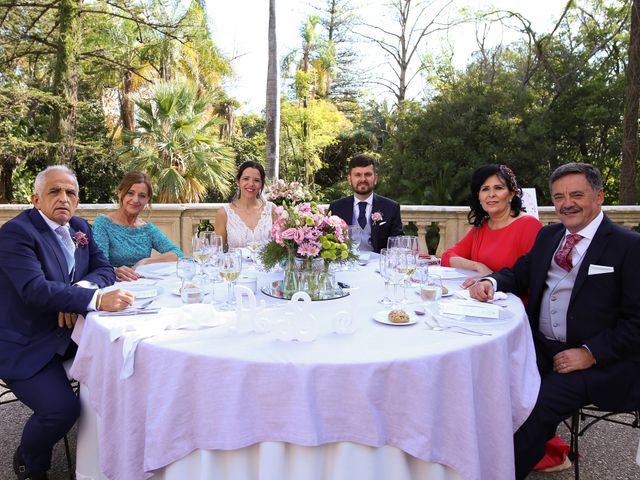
<point x="604" y="309"/>
<point x="35" y="285"/>
<point x="389" y="226"/>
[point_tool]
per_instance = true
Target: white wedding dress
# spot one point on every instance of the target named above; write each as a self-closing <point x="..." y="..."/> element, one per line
<point x="238" y="234"/>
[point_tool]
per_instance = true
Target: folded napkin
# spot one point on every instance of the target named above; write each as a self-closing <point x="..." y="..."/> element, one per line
<point x="135" y="329"/>
<point x="464" y="294"/>
<point x="445" y="273"/>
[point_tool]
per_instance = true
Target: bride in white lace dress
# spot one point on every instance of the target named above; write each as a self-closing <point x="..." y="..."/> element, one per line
<point x="248" y="218"/>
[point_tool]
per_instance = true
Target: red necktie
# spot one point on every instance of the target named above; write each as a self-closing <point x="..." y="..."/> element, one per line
<point x="563" y="256"/>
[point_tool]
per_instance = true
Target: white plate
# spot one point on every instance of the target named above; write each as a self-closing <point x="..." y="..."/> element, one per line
<point x="161" y="269"/>
<point x="176" y="291"/>
<point x="143" y="291"/>
<point x="444" y="295"/>
<point x="383" y="317"/>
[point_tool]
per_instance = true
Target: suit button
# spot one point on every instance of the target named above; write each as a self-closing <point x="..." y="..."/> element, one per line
<point x="555" y="325"/>
<point x="553" y="312"/>
<point x="553" y="299"/>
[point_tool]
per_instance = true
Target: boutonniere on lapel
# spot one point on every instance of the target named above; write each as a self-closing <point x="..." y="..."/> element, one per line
<point x="80" y="239"/>
<point x="376" y="218"/>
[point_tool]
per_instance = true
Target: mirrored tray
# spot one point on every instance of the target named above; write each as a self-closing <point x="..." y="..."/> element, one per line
<point x="275" y="290"/>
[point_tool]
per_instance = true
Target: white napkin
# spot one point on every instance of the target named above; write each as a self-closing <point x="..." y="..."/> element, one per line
<point x="156" y="270"/>
<point x="464" y="294"/>
<point x="136" y="329"/>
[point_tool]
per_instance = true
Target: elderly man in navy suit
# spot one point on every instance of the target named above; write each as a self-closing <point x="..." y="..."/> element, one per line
<point x="378" y="216"/>
<point x="582" y="276"/>
<point x="51" y="270"/>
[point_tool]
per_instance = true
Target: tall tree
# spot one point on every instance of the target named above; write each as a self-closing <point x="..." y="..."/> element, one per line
<point x="628" y="170"/>
<point x="413" y="22"/>
<point x="62" y="132"/>
<point x="272" y="108"/>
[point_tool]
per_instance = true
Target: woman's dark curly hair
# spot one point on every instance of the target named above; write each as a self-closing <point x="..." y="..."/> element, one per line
<point x="477" y="215"/>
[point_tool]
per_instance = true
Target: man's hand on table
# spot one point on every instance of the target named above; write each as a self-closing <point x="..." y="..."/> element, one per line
<point x="573" y="359"/>
<point x="482" y="290"/>
<point x="115" y="300"/>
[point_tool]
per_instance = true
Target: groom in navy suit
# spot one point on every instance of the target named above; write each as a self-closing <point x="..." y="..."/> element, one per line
<point x="378" y="216"/>
<point x="51" y="270"/>
<point x="583" y="278"/>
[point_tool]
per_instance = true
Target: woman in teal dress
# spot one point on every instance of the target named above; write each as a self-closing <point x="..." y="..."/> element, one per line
<point x="127" y="240"/>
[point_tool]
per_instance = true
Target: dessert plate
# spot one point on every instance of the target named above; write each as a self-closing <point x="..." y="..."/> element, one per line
<point x="383" y="317"/>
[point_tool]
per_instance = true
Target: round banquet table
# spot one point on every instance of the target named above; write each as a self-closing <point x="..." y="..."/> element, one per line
<point x="382" y="402"/>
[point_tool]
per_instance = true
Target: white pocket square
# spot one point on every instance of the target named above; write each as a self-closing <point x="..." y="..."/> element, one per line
<point x="381" y="223"/>
<point x="598" y="269"/>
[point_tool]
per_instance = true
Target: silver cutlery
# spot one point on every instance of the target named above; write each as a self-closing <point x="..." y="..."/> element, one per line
<point x="129" y="312"/>
<point x="438" y="327"/>
<point x="144" y="305"/>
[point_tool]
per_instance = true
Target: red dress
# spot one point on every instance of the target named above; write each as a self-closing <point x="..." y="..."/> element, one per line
<point x="499" y="248"/>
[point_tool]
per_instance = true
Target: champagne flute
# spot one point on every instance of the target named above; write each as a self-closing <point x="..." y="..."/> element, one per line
<point x="355" y="235"/>
<point x="230" y="267"/>
<point x="253" y="247"/>
<point x="383" y="272"/>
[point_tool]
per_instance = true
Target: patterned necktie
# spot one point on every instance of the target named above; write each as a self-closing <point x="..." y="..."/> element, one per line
<point x="362" y="217"/>
<point x="69" y="247"/>
<point x="563" y="256"/>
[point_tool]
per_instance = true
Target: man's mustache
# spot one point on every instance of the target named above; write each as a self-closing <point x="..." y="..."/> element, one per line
<point x="564" y="211"/>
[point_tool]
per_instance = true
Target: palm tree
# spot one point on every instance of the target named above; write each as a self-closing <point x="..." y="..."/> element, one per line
<point x="176" y="143"/>
<point x="273" y="99"/>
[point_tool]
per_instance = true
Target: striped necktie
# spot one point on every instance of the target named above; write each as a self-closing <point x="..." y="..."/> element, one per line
<point x="69" y="247"/>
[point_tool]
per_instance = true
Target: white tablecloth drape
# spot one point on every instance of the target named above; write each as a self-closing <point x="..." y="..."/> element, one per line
<point x="440" y="397"/>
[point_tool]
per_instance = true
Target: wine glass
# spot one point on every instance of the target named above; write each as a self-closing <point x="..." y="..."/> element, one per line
<point x="383" y="272"/>
<point x="409" y="242"/>
<point x="215" y="241"/>
<point x="254" y="246"/>
<point x="230" y="267"/>
<point x="355" y="236"/>
<point x="201" y="249"/>
<point x="185" y="268"/>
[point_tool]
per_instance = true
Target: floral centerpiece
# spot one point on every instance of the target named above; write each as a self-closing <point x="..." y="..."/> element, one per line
<point x="302" y="236"/>
<point x="306" y="231"/>
<point x="288" y="193"/>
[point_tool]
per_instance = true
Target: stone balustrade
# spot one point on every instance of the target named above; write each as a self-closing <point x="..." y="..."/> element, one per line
<point x="180" y="221"/>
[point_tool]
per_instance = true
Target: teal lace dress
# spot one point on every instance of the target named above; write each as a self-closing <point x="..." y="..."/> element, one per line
<point x="127" y="245"/>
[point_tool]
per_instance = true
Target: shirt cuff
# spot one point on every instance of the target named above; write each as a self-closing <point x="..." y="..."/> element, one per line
<point x="490" y="279"/>
<point x="92" y="304"/>
<point x="589" y="350"/>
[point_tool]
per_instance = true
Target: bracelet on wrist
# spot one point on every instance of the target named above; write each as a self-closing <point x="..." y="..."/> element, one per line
<point x="98" y="301"/>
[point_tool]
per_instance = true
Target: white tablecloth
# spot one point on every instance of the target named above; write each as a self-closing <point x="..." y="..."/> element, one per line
<point x="440" y="397"/>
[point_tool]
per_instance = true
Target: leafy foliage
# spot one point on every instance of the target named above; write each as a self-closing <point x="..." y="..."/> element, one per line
<point x="176" y="144"/>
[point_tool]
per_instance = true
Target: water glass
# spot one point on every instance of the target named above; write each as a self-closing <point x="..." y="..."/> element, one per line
<point x="194" y="290"/>
<point x="431" y="290"/>
<point x="185" y="268"/>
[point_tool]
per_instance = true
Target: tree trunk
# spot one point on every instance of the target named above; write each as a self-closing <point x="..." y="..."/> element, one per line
<point x="126" y="104"/>
<point x="62" y="130"/>
<point x="631" y="103"/>
<point x="273" y="99"/>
